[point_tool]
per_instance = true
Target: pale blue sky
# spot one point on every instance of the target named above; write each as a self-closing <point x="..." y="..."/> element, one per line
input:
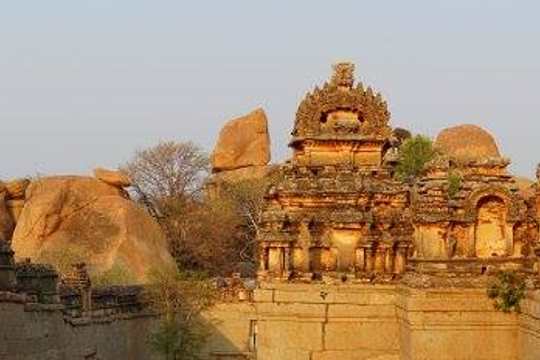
<point x="85" y="83"/>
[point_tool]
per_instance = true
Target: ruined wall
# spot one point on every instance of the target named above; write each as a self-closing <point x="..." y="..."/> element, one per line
<point x="297" y="322"/>
<point x="29" y="332"/>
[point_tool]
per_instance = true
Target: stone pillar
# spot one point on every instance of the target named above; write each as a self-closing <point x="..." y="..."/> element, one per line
<point x="287" y="259"/>
<point x="380" y="258"/>
<point x="471" y="248"/>
<point x="263" y="258"/>
<point x="388" y="260"/>
<point x="400" y="261"/>
<point x="360" y="260"/>
<point x="537" y="264"/>
<point x="370" y="258"/>
<point x="509" y="231"/>
<point x="79" y="280"/>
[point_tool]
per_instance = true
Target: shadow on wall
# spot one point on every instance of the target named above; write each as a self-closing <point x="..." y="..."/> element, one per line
<point x="233" y="332"/>
<point x="38" y="331"/>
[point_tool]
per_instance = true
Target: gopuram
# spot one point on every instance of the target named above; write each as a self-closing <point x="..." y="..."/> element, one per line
<point x="338" y="212"/>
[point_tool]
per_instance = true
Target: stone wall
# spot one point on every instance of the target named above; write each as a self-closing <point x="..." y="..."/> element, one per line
<point x="36" y="331"/>
<point x="529" y="328"/>
<point x="454" y="324"/>
<point x="374" y="322"/>
<point x="297" y="322"/>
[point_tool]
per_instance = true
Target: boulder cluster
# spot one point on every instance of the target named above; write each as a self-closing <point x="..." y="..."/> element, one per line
<point x="81" y="216"/>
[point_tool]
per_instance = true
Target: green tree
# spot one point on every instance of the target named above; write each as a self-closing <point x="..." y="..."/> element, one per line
<point x="414" y="154"/>
<point x="179" y="298"/>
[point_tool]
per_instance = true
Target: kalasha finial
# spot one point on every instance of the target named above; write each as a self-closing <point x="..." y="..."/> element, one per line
<point x="343" y="74"/>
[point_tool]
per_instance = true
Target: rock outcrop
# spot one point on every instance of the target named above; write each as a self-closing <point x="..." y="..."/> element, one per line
<point x="16" y="188"/>
<point x="467" y="142"/>
<point x="6" y="221"/>
<point x="89" y="216"/>
<point x="112" y="177"/>
<point x="243" y="142"/>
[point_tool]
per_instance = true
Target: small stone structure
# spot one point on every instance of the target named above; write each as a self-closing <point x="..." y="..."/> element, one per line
<point x="340" y="213"/>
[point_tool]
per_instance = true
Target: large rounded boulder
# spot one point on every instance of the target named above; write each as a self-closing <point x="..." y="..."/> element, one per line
<point x="92" y="219"/>
<point x="467" y="142"/>
<point x="243" y="142"/>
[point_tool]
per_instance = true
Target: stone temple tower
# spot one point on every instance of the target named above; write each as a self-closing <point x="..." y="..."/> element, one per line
<point x="337" y="211"/>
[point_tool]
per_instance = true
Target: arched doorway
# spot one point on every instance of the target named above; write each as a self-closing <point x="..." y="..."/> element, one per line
<point x="490" y="229"/>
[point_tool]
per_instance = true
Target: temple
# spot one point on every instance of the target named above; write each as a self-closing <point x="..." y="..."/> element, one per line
<point x="338" y="211"/>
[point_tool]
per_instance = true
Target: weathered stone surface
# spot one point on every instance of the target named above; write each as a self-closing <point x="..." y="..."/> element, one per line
<point x="467" y="142"/>
<point x="112" y="177"/>
<point x="247" y="173"/>
<point x="16" y="188"/>
<point x="89" y="215"/>
<point x="15" y="208"/>
<point x="6" y="221"/>
<point x="243" y="142"/>
<point x="525" y="187"/>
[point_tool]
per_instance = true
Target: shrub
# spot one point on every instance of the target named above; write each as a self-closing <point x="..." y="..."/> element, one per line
<point x="507" y="290"/>
<point x="414" y="154"/>
<point x="180" y="298"/>
<point x="118" y="274"/>
<point x="454" y="184"/>
<point x="63" y="257"/>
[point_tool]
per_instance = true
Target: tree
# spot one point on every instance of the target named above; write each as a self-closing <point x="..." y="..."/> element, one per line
<point x="246" y="197"/>
<point x="210" y="233"/>
<point x="169" y="170"/>
<point x="168" y="179"/>
<point x="180" y="298"/>
<point x="414" y="154"/>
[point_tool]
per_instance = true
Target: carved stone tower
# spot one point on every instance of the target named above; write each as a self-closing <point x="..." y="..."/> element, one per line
<point x="337" y="212"/>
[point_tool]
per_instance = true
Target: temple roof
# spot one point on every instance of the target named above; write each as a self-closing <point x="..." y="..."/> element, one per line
<point x="365" y="113"/>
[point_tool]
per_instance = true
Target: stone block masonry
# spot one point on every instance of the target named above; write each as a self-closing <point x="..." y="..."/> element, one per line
<point x="373" y="322"/>
<point x="295" y="321"/>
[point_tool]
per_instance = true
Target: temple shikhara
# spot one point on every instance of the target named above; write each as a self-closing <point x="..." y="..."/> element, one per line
<point x="339" y="212"/>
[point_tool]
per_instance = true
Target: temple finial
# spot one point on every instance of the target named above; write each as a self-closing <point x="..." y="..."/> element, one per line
<point x="343" y="74"/>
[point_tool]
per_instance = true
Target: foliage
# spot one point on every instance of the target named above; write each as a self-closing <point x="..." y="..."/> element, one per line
<point x="63" y="257"/>
<point x="169" y="178"/>
<point x="178" y="341"/>
<point x="507" y="290"/>
<point x="118" y="274"/>
<point x="202" y="236"/>
<point x="414" y="154"/>
<point x="180" y="297"/>
<point x="454" y="184"/>
<point x="247" y="200"/>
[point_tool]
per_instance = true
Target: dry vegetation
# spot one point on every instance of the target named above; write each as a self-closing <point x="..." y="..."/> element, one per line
<point x="215" y="235"/>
